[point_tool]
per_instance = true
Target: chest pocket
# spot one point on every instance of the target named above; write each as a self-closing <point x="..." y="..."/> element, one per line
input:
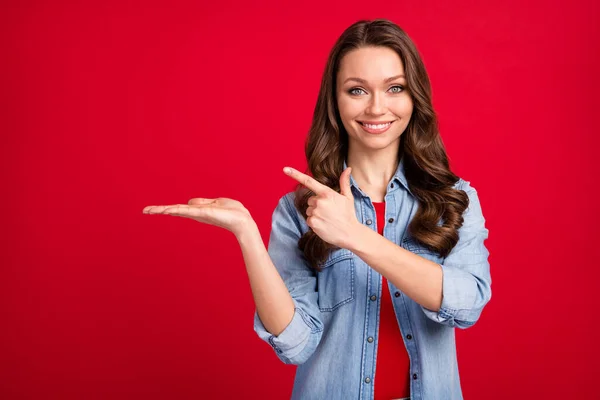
<point x="335" y="282"/>
<point x="409" y="243"/>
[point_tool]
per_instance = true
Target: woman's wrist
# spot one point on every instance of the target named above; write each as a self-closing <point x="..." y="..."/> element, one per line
<point x="246" y="229"/>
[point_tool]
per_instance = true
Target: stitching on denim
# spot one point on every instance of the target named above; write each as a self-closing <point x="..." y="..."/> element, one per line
<point x="365" y="332"/>
<point x="337" y="258"/>
<point x="306" y="318"/>
<point x="352" y="293"/>
<point x="377" y="324"/>
<point x="293" y="213"/>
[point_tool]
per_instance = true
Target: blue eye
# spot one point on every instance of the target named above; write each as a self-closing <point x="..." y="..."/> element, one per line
<point x="401" y="89"/>
<point x="352" y="90"/>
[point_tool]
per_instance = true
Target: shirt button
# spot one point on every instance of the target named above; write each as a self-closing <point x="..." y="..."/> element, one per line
<point x="397" y="294"/>
<point x="414" y="376"/>
<point x="368" y="380"/>
<point x="391" y="220"/>
<point x="392" y="185"/>
<point x="369" y="222"/>
<point x="370" y="339"/>
<point x="373" y="298"/>
<point x="409" y="336"/>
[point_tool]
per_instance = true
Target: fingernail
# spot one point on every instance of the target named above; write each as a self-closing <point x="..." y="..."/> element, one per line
<point x="287" y="170"/>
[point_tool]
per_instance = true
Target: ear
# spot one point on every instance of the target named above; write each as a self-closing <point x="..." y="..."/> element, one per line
<point x="345" y="183"/>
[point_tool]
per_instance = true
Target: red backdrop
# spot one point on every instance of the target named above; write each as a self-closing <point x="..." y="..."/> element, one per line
<point x="110" y="107"/>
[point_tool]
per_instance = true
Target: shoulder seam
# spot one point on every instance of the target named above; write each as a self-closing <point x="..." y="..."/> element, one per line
<point x="292" y="210"/>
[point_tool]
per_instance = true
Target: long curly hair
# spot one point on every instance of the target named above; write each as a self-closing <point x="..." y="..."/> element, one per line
<point x="425" y="161"/>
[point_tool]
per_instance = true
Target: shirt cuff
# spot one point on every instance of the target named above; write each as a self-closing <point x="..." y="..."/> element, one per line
<point x="460" y="293"/>
<point x="294" y="339"/>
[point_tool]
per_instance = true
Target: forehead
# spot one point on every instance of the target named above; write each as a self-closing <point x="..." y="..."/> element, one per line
<point x="371" y="63"/>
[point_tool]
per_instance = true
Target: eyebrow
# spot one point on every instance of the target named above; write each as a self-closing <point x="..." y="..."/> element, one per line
<point x="365" y="82"/>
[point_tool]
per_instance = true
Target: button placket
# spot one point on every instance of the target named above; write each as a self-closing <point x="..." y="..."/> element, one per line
<point x="369" y="339"/>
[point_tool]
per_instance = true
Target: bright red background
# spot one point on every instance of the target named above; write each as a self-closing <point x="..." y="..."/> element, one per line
<point x="108" y="108"/>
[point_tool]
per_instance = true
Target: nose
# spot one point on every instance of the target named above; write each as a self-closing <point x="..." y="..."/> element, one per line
<point x="376" y="104"/>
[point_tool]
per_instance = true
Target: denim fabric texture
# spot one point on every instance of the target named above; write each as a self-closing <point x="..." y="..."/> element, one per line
<point x="336" y="310"/>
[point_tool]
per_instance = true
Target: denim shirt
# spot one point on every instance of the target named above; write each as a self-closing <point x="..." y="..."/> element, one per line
<point x="333" y="335"/>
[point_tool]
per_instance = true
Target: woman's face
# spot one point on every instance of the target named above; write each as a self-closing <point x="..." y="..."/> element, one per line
<point x="371" y="88"/>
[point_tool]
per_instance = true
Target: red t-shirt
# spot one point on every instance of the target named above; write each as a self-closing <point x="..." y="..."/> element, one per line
<point x="392" y="372"/>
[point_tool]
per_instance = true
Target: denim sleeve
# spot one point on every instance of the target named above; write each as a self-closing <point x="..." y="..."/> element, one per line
<point x="300" y="338"/>
<point x="466" y="284"/>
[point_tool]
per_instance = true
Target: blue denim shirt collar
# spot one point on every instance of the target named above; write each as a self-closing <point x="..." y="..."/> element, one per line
<point x="399" y="177"/>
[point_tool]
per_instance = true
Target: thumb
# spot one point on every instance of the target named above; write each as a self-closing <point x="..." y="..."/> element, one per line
<point x="345" y="183"/>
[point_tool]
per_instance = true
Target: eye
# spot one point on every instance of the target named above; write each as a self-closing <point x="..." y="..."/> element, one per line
<point x="399" y="89"/>
<point x="351" y="91"/>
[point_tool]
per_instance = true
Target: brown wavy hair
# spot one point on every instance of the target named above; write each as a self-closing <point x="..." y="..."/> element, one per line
<point x="425" y="161"/>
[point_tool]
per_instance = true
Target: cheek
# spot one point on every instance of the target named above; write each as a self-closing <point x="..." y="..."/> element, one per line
<point x="343" y="107"/>
<point x="405" y="107"/>
<point x="349" y="109"/>
<point x="347" y="114"/>
<point x="403" y="110"/>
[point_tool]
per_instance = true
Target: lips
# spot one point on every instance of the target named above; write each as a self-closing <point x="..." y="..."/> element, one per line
<point x="375" y="127"/>
<point x="374" y="122"/>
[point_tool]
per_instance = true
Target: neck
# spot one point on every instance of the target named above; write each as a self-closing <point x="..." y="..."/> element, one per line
<point x="373" y="171"/>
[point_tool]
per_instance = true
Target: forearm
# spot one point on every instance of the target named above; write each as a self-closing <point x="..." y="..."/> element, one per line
<point x="419" y="278"/>
<point x="273" y="301"/>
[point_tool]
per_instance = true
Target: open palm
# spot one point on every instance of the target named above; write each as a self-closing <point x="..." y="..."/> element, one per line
<point x="223" y="212"/>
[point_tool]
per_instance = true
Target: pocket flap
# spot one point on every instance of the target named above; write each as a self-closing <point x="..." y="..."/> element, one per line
<point x="335" y="256"/>
<point x="411" y="244"/>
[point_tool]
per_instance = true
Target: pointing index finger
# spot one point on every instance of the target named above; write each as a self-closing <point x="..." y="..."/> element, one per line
<point x="308" y="181"/>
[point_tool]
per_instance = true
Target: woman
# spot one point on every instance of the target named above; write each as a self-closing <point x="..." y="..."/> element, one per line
<point x="375" y="259"/>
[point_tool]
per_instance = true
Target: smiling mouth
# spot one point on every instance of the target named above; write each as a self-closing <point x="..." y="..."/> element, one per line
<point x="376" y="126"/>
<point x="375" y="129"/>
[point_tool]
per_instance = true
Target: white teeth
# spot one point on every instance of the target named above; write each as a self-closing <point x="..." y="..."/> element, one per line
<point x="377" y="126"/>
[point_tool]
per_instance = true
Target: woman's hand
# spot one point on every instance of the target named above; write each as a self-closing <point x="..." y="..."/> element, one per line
<point x="330" y="214"/>
<point x="223" y="212"/>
